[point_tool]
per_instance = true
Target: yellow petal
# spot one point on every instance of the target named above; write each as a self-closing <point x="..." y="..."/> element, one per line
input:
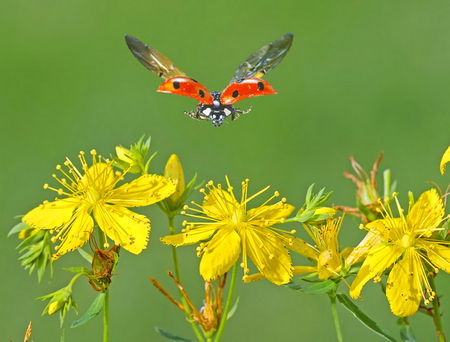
<point x="274" y="212"/>
<point x="145" y="190"/>
<point x="52" y="214"/>
<point x="193" y="235"/>
<point x="99" y="176"/>
<point x="302" y="247"/>
<point x="220" y="254"/>
<point x="218" y="203"/>
<point x="445" y="159"/>
<point x="328" y="264"/>
<point x="402" y="287"/>
<point x="304" y="269"/>
<point x="426" y="213"/>
<point x="270" y="256"/>
<point x="439" y="256"/>
<point x="76" y="233"/>
<point x="371" y="239"/>
<point x="124" y="227"/>
<point x="378" y="259"/>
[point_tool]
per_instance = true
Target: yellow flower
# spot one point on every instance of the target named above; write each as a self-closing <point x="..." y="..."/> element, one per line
<point x="93" y="196"/>
<point x="235" y="229"/>
<point x="445" y="159"/>
<point x="325" y="251"/>
<point x="409" y="244"/>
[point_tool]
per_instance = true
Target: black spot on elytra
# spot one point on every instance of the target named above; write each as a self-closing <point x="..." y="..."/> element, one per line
<point x="260" y="86"/>
<point x="235" y="94"/>
<point x="201" y="93"/>
<point x="176" y="85"/>
<point x="194" y="80"/>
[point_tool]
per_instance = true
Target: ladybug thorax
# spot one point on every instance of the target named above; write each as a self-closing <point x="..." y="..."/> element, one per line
<point x="217" y="112"/>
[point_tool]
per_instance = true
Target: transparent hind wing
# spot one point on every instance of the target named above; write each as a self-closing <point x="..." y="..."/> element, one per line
<point x="265" y="59"/>
<point x="152" y="59"/>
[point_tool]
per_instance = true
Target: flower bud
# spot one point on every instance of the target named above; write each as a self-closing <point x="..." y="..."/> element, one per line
<point x="174" y="171"/>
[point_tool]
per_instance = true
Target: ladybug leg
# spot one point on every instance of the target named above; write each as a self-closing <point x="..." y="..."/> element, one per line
<point x="193" y="114"/>
<point x="237" y="112"/>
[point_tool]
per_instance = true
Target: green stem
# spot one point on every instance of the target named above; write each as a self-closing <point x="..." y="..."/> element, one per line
<point x="101" y="240"/>
<point x="177" y="276"/>
<point x="332" y="296"/>
<point x="436" y="312"/>
<point x="228" y="303"/>
<point x="106" y="318"/>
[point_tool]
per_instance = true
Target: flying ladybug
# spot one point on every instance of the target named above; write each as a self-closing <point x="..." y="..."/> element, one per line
<point x="215" y="106"/>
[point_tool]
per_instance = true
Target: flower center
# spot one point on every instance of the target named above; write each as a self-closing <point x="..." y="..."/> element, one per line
<point x="408" y="240"/>
<point x="92" y="195"/>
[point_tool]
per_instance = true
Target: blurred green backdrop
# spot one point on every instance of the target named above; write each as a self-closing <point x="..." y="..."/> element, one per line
<point x="362" y="77"/>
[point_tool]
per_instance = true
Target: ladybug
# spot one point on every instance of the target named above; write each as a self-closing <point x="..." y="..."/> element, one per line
<point x="215" y="106"/>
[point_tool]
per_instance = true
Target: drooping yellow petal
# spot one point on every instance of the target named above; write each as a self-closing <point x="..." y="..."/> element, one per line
<point x="124" y="227"/>
<point x="426" y="214"/>
<point x="303" y="248"/>
<point x="76" y="233"/>
<point x="220" y="254"/>
<point x="439" y="255"/>
<point x="271" y="213"/>
<point x="304" y="269"/>
<point x="52" y="215"/>
<point x="145" y="190"/>
<point x="445" y="159"/>
<point x="268" y="253"/>
<point x="378" y="259"/>
<point x="200" y="233"/>
<point x="372" y="238"/>
<point x="403" y="286"/>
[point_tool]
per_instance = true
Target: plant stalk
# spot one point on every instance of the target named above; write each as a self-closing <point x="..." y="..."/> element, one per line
<point x="228" y="303"/>
<point x="332" y="296"/>
<point x="436" y="312"/>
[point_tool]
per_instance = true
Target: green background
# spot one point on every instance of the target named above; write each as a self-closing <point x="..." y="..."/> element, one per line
<point x="361" y="77"/>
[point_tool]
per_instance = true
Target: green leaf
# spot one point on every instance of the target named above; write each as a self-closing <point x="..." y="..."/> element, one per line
<point x="18" y="228"/>
<point x="85" y="255"/>
<point x="407" y="334"/>
<point x="315" y="289"/>
<point x="369" y="323"/>
<point x="77" y="270"/>
<point x="171" y="336"/>
<point x="92" y="312"/>
<point x="233" y="309"/>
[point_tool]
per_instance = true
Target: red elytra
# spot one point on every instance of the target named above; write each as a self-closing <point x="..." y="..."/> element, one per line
<point x="245" y="88"/>
<point x="186" y="86"/>
<point x="236" y="91"/>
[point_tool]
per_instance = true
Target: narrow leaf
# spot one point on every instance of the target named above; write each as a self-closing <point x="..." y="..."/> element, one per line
<point x="407" y="334"/>
<point x="18" y="228"/>
<point x="171" y="336"/>
<point x="233" y="309"/>
<point x="315" y="289"/>
<point x="77" y="270"/>
<point x="369" y="323"/>
<point x="85" y="255"/>
<point x="92" y="312"/>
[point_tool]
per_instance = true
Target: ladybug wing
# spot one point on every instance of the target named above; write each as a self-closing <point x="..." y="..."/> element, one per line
<point x="265" y="59"/>
<point x="152" y="59"/>
<point x="244" y="88"/>
<point x="185" y="86"/>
